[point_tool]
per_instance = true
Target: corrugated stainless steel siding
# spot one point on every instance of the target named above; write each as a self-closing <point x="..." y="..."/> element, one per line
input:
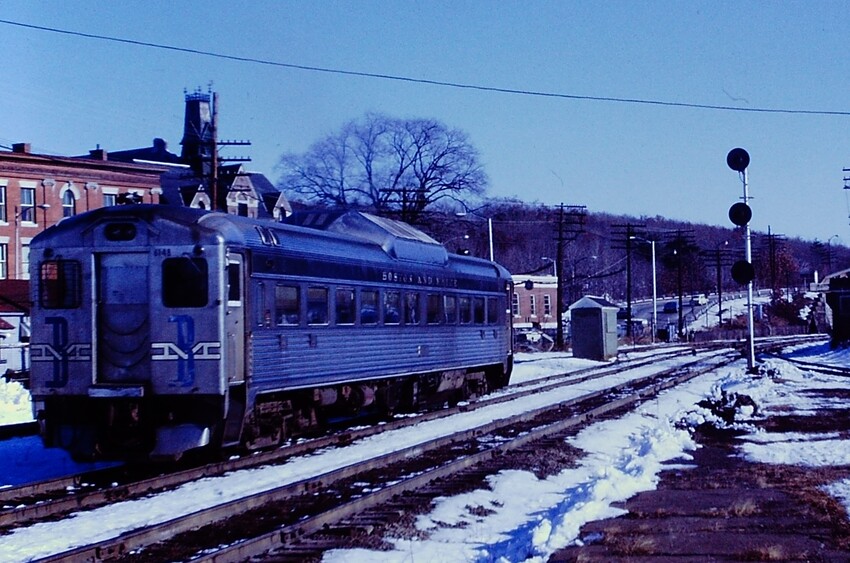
<point x="303" y="357"/>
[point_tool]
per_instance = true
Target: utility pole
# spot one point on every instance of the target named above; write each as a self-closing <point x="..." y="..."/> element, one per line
<point x="219" y="198"/>
<point x="214" y="154"/>
<point x="571" y="221"/>
<point x="722" y="257"/>
<point x="627" y="234"/>
<point x="683" y="245"/>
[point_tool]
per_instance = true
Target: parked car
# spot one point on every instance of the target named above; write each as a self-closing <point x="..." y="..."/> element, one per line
<point x="671" y="307"/>
<point x="699" y="299"/>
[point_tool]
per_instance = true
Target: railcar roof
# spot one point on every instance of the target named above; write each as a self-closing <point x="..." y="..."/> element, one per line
<point x="340" y="229"/>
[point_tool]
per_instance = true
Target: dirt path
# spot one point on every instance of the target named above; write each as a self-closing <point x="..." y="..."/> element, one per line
<point x="727" y="509"/>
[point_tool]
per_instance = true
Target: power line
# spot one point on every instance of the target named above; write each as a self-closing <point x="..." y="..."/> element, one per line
<point x="398" y="78"/>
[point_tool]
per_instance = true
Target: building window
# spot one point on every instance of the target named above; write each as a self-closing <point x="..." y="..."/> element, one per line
<point x="69" y="204"/>
<point x="108" y="200"/>
<point x="28" y="205"/>
<point x="515" y="304"/>
<point x="25" y="260"/>
<point x="3" y="215"/>
<point x="4" y="261"/>
<point x="533" y="305"/>
<point x="547" y="305"/>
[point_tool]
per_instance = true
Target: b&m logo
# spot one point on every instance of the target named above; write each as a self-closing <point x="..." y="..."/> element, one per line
<point x="59" y="352"/>
<point x="185" y="351"/>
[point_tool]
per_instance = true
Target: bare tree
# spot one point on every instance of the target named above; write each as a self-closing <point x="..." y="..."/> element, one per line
<point x="391" y="166"/>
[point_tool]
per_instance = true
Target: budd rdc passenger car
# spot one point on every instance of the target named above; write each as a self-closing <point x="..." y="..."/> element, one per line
<point x="157" y="330"/>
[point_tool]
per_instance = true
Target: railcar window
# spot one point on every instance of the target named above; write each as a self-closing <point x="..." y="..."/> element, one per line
<point x="434" y="309"/>
<point x="234" y="287"/>
<point x="317" y="305"/>
<point x="478" y="310"/>
<point x="450" y="303"/>
<point x="185" y="282"/>
<point x="264" y="314"/>
<point x="465" y="310"/>
<point x="346" y="307"/>
<point x="492" y="311"/>
<point x="60" y="284"/>
<point x="412" y="314"/>
<point x="392" y="307"/>
<point x="287" y="305"/>
<point x="368" y="307"/>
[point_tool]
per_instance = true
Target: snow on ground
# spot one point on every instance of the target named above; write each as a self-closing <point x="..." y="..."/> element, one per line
<point x="518" y="517"/>
<point x="15" y="403"/>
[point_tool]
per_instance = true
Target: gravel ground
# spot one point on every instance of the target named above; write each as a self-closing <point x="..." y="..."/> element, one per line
<point x="729" y="509"/>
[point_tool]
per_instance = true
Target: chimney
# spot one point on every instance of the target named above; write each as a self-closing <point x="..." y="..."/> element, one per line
<point x="23" y="148"/>
<point x="98" y="154"/>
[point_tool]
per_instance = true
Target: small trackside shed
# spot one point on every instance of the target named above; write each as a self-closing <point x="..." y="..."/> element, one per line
<point x="594" y="328"/>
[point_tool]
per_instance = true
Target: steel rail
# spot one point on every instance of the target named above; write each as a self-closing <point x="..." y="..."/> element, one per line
<point x="23" y="512"/>
<point x="27" y="512"/>
<point x="148" y="536"/>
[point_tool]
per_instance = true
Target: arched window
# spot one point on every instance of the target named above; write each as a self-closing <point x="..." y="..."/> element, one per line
<point x="69" y="204"/>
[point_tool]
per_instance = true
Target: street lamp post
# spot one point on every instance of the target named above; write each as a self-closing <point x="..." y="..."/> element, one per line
<point x="720" y="284"/>
<point x="489" y="228"/>
<point x="574" y="274"/>
<point x="829" y="254"/>
<point x="654" y="326"/>
<point x="554" y="265"/>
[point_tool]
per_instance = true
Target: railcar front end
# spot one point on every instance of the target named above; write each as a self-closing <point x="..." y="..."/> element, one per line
<point x="129" y="332"/>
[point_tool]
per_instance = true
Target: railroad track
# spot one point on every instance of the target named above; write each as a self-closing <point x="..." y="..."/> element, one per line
<point x="566" y="414"/>
<point x="819" y="368"/>
<point x="456" y="452"/>
<point x="55" y="497"/>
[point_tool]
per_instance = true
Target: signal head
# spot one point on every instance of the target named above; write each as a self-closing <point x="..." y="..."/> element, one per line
<point x="740" y="214"/>
<point x="738" y="159"/>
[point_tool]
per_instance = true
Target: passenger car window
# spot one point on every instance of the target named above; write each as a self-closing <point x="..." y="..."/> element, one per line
<point x="368" y="307"/>
<point x="185" y="282"/>
<point x="263" y="313"/>
<point x="234" y="284"/>
<point x="478" y="310"/>
<point x="465" y="310"/>
<point x="346" y="308"/>
<point x="450" y="302"/>
<point x="411" y="308"/>
<point x="59" y="284"/>
<point x="287" y="305"/>
<point x="492" y="311"/>
<point x="392" y="307"/>
<point x="317" y="305"/>
<point x="434" y="309"/>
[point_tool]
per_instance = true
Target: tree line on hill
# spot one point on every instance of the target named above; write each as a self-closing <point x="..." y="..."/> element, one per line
<point x="427" y="174"/>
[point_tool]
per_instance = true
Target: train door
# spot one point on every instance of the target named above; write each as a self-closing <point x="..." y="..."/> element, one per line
<point x="122" y="318"/>
<point x="234" y="321"/>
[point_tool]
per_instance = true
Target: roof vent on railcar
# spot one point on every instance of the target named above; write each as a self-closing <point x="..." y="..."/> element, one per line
<point x="398" y="239"/>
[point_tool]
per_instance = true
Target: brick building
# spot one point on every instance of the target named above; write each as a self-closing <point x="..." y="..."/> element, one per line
<point x="37" y="191"/>
<point x="535" y="306"/>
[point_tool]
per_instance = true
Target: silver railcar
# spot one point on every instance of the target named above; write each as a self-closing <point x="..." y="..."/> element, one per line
<point x="157" y="330"/>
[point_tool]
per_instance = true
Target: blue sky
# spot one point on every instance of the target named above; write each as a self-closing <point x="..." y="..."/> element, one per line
<point x="66" y="94"/>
